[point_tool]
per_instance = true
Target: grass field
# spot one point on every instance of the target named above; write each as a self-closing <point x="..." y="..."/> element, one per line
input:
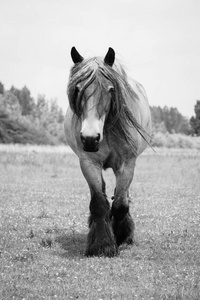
<point x="44" y="203"/>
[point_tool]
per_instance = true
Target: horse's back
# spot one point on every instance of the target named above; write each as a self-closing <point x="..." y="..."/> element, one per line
<point x="139" y="107"/>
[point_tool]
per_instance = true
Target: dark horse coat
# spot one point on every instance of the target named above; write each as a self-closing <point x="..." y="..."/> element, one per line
<point x="107" y="125"/>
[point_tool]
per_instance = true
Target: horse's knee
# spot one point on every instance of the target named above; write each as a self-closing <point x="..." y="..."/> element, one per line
<point x="119" y="212"/>
<point x="99" y="206"/>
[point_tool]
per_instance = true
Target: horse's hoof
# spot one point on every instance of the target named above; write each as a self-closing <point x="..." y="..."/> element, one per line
<point x="124" y="231"/>
<point x="129" y="241"/>
<point x="107" y="251"/>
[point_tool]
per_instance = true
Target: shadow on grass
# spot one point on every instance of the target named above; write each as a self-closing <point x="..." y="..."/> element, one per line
<point x="74" y="245"/>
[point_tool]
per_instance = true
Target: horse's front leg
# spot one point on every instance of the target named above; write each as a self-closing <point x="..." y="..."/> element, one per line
<point x="123" y="225"/>
<point x="100" y="240"/>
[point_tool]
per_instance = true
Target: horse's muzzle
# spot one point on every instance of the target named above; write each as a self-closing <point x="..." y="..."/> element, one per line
<point x="90" y="144"/>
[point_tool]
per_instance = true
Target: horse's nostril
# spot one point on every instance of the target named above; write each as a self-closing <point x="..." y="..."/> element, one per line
<point x="97" y="138"/>
<point x="83" y="139"/>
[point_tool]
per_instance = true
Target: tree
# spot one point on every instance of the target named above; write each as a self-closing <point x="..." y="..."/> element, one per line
<point x="195" y="121"/>
<point x="1" y="88"/>
<point x="56" y="112"/>
<point x="25" y="99"/>
<point x="41" y="106"/>
<point x="9" y="104"/>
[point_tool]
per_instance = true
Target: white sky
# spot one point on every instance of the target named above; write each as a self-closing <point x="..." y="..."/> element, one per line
<point x="157" y="40"/>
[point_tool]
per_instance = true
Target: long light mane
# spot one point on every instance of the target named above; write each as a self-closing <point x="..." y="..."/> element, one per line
<point x="120" y="118"/>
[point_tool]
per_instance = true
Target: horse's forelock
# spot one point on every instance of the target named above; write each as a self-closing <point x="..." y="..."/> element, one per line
<point x="88" y="71"/>
<point x="84" y="74"/>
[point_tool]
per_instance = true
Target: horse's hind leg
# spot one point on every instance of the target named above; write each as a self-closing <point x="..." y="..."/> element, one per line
<point x="123" y="225"/>
<point x="101" y="240"/>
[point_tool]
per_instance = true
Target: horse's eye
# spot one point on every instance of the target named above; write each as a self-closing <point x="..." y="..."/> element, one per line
<point x="112" y="91"/>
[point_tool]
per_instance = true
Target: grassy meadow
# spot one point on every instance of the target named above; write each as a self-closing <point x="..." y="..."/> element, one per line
<point x="44" y="203"/>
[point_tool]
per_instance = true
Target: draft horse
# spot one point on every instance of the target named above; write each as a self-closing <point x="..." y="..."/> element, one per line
<point x="108" y="124"/>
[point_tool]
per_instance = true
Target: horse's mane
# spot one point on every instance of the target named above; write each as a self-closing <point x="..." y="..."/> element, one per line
<point x="120" y="118"/>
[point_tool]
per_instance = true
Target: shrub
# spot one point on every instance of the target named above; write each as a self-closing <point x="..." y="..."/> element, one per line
<point x="175" y="140"/>
<point x="22" y="132"/>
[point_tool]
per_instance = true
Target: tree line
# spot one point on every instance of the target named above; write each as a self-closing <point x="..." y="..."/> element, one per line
<point x="169" y="120"/>
<point x="28" y="121"/>
<point x="172" y="121"/>
<point x="24" y="119"/>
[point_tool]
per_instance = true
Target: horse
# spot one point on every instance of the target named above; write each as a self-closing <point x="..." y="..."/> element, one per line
<point x="107" y="125"/>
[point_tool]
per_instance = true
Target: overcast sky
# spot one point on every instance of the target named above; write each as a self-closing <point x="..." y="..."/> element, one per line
<point x="157" y="40"/>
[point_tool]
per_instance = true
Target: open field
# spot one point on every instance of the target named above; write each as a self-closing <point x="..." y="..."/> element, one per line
<point x="44" y="203"/>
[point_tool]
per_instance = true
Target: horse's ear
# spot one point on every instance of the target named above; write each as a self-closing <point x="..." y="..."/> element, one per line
<point x="110" y="57"/>
<point x="76" y="57"/>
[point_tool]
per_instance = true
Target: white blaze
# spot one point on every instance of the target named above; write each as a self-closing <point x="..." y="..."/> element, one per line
<point x="92" y="125"/>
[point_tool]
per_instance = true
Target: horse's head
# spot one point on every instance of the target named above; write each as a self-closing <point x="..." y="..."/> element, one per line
<point x="90" y="94"/>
